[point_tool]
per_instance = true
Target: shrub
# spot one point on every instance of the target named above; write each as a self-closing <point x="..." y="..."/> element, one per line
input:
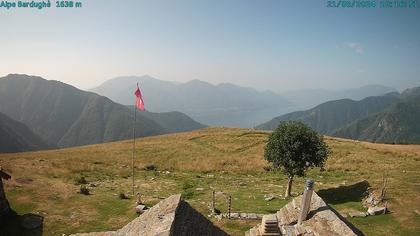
<point x="84" y="190"/>
<point x="81" y="180"/>
<point x="123" y="196"/>
<point x="150" y="167"/>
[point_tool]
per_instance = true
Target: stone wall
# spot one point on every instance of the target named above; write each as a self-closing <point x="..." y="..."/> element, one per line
<point x="170" y="217"/>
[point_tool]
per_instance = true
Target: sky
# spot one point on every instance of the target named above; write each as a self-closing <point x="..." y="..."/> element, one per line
<point x="276" y="45"/>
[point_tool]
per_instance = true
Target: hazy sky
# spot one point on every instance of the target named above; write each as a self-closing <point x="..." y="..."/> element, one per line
<point x="278" y="45"/>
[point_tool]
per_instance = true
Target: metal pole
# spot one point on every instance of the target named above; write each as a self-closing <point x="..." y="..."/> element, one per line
<point x="306" y="201"/>
<point x="134" y="148"/>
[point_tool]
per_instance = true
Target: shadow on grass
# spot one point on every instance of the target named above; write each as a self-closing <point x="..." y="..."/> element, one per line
<point x="355" y="230"/>
<point x="343" y="194"/>
<point x="21" y="225"/>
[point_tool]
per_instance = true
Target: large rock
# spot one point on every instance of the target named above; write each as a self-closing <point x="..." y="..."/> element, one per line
<point x="140" y="209"/>
<point x="357" y="214"/>
<point x="170" y="217"/>
<point x="4" y="204"/>
<point x="32" y="221"/>
<point x="376" y="210"/>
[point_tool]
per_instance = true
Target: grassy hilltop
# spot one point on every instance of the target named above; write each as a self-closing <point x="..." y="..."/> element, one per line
<point x="229" y="161"/>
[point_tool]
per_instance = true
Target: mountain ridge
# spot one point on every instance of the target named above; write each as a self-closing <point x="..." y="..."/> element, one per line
<point x="65" y="116"/>
<point x="328" y="116"/>
<point x="396" y="124"/>
<point x="17" y="137"/>
<point x="391" y="118"/>
<point x="308" y="98"/>
<point x="224" y="104"/>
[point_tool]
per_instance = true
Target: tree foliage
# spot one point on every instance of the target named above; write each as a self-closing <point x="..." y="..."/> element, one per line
<point x="294" y="147"/>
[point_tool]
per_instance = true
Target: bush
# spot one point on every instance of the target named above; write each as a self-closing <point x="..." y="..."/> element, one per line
<point x="150" y="168"/>
<point x="123" y="196"/>
<point x="84" y="190"/>
<point x="81" y="180"/>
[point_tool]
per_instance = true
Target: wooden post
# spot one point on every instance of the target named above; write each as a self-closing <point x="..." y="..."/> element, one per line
<point x="384" y="186"/>
<point x="230" y="206"/>
<point x="213" y="204"/>
<point x="386" y="207"/>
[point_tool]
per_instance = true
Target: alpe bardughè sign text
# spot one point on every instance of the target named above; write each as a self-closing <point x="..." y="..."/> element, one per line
<point x="40" y="4"/>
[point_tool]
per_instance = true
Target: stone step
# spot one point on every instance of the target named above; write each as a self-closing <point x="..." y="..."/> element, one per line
<point x="269" y="225"/>
<point x="254" y="232"/>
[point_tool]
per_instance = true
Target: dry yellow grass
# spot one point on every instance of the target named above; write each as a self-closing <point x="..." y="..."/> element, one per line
<point x="45" y="181"/>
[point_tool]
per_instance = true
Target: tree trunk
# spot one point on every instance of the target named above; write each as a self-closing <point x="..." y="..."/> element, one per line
<point x="289" y="186"/>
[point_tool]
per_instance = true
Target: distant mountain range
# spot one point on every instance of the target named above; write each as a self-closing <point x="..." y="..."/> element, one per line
<point x="39" y="114"/>
<point x="17" y="137"/>
<point x="65" y="116"/>
<point x="399" y="123"/>
<point x="329" y="116"/>
<point x="391" y="118"/>
<point x="307" y="98"/>
<point x="216" y="105"/>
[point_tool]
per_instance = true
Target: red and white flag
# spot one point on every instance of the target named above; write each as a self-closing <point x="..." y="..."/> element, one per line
<point x="139" y="99"/>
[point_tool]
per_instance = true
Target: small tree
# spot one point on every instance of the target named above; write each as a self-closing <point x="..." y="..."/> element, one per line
<point x="294" y="147"/>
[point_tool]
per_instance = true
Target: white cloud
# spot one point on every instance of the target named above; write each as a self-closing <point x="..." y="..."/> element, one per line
<point x="356" y="46"/>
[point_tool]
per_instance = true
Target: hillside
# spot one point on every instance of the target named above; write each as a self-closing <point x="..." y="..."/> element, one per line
<point x="329" y="116"/>
<point x="16" y="137"/>
<point x="173" y="121"/>
<point x="397" y="124"/>
<point x="216" y="105"/>
<point x="65" y="116"/>
<point x="308" y="98"/>
<point x="391" y="118"/>
<point x="228" y="161"/>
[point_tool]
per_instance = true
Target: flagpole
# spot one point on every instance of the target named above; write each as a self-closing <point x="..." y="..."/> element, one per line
<point x="140" y="105"/>
<point x="134" y="148"/>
